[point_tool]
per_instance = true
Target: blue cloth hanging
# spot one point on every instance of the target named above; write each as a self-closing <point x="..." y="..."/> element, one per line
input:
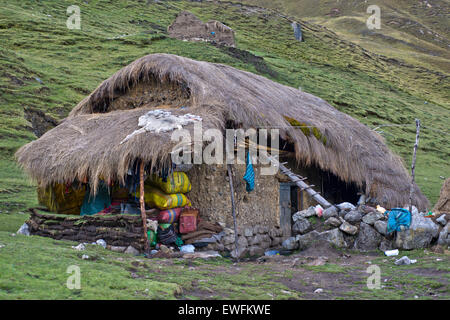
<point x="398" y="217"/>
<point x="249" y="175"/>
<point x="95" y="204"/>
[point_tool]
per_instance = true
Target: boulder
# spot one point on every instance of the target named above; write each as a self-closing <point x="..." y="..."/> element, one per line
<point x="419" y="235"/>
<point x="304" y="241"/>
<point x="381" y="227"/>
<point x="346" y="206"/>
<point x="442" y="219"/>
<point x="330" y="212"/>
<point x="132" y="250"/>
<point x="239" y="253"/>
<point x="334" y="222"/>
<point x="386" y="245"/>
<point x="368" y="238"/>
<point x="348" y="228"/>
<point x="290" y="243"/>
<point x="257" y="239"/>
<point x="365" y="209"/>
<point x="242" y="241"/>
<point x="248" y="232"/>
<point x="304" y="214"/>
<point x="24" y="229"/>
<point x="353" y="216"/>
<point x="444" y="236"/>
<point x="117" y="248"/>
<point x="228" y="239"/>
<point x="301" y="226"/>
<point x="255" y="251"/>
<point x="372" y="217"/>
<point x="334" y="237"/>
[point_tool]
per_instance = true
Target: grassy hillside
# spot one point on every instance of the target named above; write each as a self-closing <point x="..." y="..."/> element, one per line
<point x="416" y="32"/>
<point x="46" y="66"/>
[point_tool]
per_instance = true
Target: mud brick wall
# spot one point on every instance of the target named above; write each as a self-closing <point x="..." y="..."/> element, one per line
<point x="211" y="194"/>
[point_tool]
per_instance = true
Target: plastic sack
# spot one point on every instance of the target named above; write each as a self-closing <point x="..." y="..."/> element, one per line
<point x="157" y="198"/>
<point x="61" y="199"/>
<point x="177" y="182"/>
<point x="169" y="215"/>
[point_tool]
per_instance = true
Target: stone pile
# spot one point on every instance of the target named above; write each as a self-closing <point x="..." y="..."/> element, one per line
<point x="363" y="228"/>
<point x="252" y="241"/>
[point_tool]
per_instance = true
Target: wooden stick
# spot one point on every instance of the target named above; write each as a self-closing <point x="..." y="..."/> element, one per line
<point x="141" y="200"/>
<point x="233" y="208"/>
<point x="413" y="164"/>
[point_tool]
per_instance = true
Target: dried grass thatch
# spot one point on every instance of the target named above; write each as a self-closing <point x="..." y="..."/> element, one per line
<point x="87" y="143"/>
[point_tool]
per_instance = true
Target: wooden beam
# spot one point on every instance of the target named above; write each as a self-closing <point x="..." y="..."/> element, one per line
<point x="413" y="164"/>
<point x="233" y="208"/>
<point x="142" y="202"/>
<point x="300" y="183"/>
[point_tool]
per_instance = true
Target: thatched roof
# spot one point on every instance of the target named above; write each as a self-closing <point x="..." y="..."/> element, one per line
<point x="87" y="142"/>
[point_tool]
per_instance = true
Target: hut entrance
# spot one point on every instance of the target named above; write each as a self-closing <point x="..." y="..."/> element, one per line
<point x="291" y="200"/>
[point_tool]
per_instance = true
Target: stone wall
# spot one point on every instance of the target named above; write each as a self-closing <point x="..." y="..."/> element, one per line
<point x="211" y="194"/>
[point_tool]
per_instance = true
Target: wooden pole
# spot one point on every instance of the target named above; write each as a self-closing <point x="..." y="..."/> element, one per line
<point x="141" y="200"/>
<point x="233" y="208"/>
<point x="413" y="164"/>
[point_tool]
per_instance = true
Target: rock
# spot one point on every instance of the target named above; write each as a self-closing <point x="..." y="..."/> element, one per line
<point x="135" y="252"/>
<point x="346" y="206"/>
<point x="301" y="226"/>
<point x="24" y="230"/>
<point x="290" y="244"/>
<point x="381" y="227"/>
<point x="335" y="237"/>
<point x="276" y="242"/>
<point x="353" y="216"/>
<point x="242" y="242"/>
<point x="202" y="255"/>
<point x="442" y="220"/>
<point x="330" y="212"/>
<point x="348" y="228"/>
<point x="318" y="290"/>
<point x="163" y="248"/>
<point x="248" y="232"/>
<point x="372" y="217"/>
<point x="79" y="247"/>
<point x="117" y="248"/>
<point x="255" y="240"/>
<point x="304" y="214"/>
<point x="404" y="261"/>
<point x="365" y="209"/>
<point x="419" y="235"/>
<point x="255" y="251"/>
<point x="240" y="253"/>
<point x="368" y="238"/>
<point x="444" y="236"/>
<point x="265" y="244"/>
<point x="334" y="222"/>
<point x="386" y="245"/>
<point x="263" y="229"/>
<point x="228" y="239"/>
<point x="228" y="231"/>
<point x="101" y="242"/>
<point x="306" y="240"/>
<point x="85" y="257"/>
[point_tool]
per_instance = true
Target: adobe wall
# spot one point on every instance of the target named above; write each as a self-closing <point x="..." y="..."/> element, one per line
<point x="211" y="194"/>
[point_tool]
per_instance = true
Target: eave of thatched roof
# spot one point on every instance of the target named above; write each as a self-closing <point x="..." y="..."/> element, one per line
<point x="87" y="143"/>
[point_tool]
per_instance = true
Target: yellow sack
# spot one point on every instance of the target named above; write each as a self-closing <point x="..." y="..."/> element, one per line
<point x="57" y="198"/>
<point x="177" y="182"/>
<point x="156" y="198"/>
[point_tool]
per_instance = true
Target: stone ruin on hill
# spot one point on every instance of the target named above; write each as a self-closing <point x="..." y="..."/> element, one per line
<point x="188" y="27"/>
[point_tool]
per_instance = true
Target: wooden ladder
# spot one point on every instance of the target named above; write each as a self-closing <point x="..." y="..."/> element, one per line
<point x="299" y="181"/>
